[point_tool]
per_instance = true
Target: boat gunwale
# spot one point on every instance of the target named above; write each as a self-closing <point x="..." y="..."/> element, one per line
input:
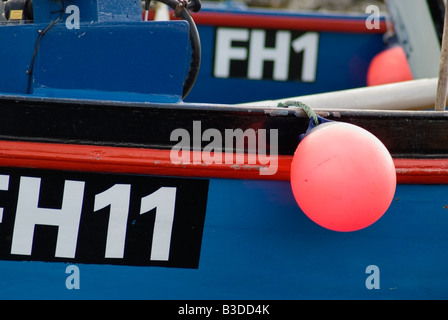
<point x="274" y="110"/>
<point x="351" y="22"/>
<point x="126" y="160"/>
<point x="407" y="134"/>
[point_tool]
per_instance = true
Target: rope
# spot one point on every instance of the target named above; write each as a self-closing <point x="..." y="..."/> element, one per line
<point x="181" y="8"/>
<point x="307" y="109"/>
<point x="29" y="72"/>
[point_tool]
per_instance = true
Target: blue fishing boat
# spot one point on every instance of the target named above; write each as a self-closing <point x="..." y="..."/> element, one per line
<point x="113" y="187"/>
<point x="279" y="53"/>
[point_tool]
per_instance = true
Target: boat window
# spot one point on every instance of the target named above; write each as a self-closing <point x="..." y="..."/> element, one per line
<point x="16" y="11"/>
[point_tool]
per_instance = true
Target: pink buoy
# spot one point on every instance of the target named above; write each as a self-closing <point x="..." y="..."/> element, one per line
<point x="389" y="66"/>
<point x="343" y="177"/>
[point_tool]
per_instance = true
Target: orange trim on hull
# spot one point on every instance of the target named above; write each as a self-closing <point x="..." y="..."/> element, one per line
<point x="157" y="162"/>
<point x="283" y="22"/>
<point x="260" y="21"/>
<point x="425" y="171"/>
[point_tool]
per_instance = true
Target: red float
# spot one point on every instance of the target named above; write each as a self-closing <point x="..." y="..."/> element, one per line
<point x="343" y="177"/>
<point x="389" y="66"/>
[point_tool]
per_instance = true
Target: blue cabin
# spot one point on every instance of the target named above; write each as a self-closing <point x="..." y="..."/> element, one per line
<point x="73" y="49"/>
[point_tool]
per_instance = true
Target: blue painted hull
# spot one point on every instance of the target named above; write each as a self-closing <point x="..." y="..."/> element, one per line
<point x="342" y="57"/>
<point x="257" y="244"/>
<point x="254" y="242"/>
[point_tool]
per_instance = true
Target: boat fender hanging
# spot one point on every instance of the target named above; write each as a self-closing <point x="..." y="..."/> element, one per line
<point x="342" y="176"/>
<point x="389" y="66"/>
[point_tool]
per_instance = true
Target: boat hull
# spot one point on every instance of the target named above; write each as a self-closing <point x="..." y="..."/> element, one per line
<point x="246" y="236"/>
<point x="316" y="52"/>
<point x="257" y="244"/>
